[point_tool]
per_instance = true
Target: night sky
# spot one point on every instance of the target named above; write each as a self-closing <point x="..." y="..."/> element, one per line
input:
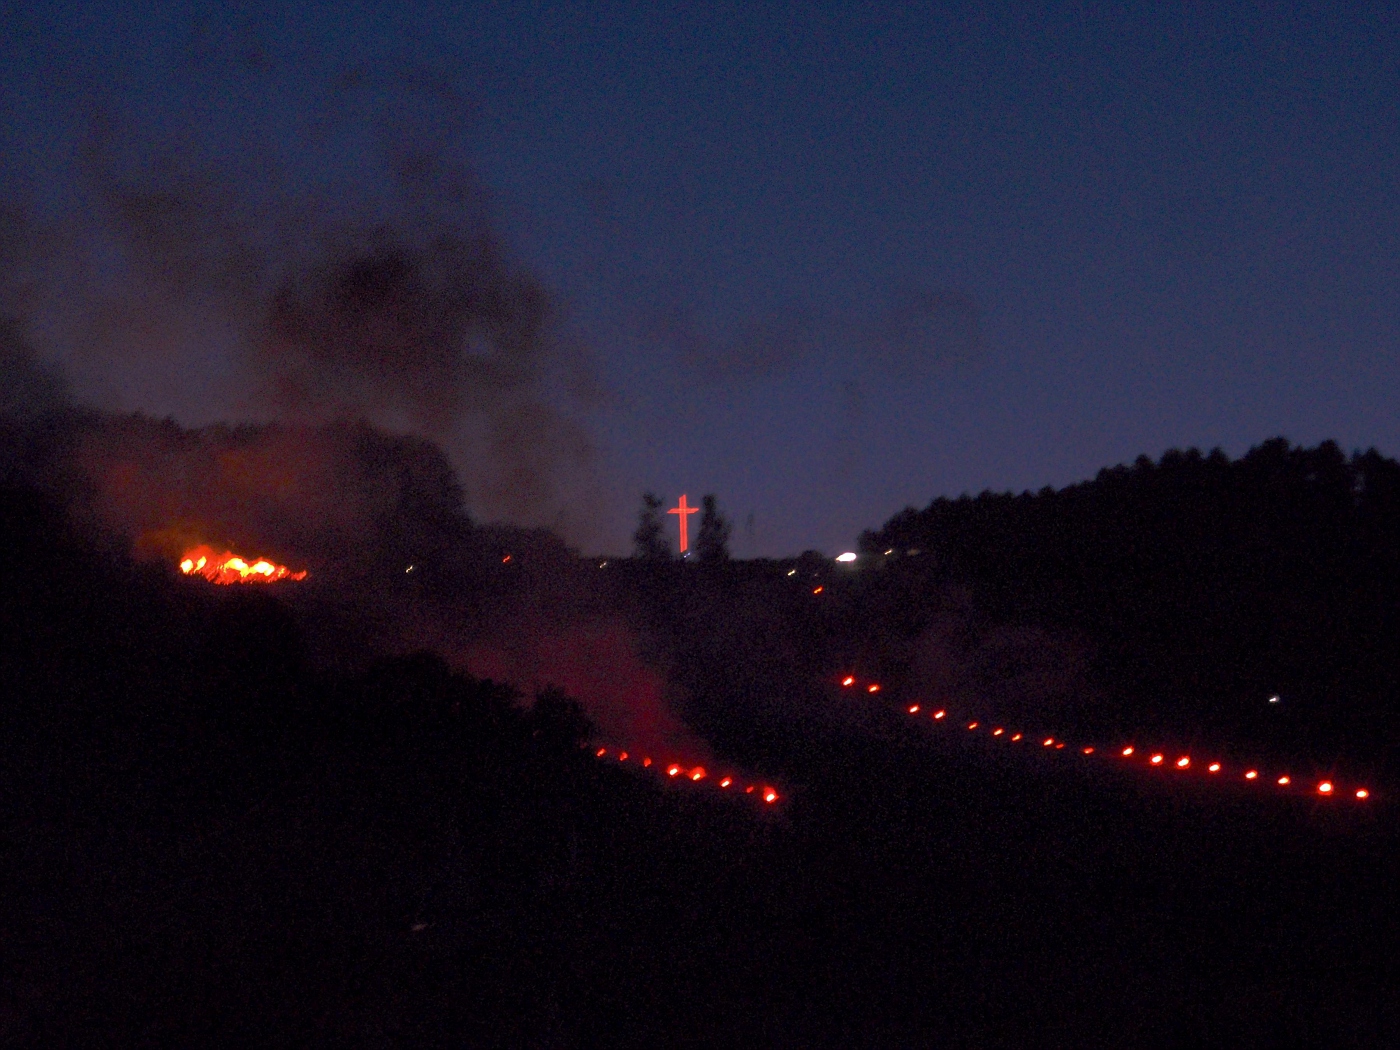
<point x="823" y="264"/>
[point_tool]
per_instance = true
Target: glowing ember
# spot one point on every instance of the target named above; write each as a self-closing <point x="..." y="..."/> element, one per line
<point x="848" y="680"/>
<point x="1284" y="781"/>
<point x="939" y="714"/>
<point x="1127" y="751"/>
<point x="230" y="568"/>
<point x="973" y="725"/>
<point x="1214" y="767"/>
<point x="913" y="709"/>
<point x="726" y="782"/>
<point x="818" y="590"/>
<point x="1183" y="761"/>
<point x="673" y="771"/>
<point x="998" y="732"/>
<point x="1016" y="737"/>
<point x="1088" y="750"/>
<point x="1252" y="775"/>
<point x="601" y="752"/>
<point x="1325" y="788"/>
<point x="769" y="795"/>
<point x="1049" y="741"/>
<point x="1363" y="793"/>
<point x="872" y="688"/>
<point x="645" y="762"/>
<point x="1156" y="760"/>
<point x="698" y="773"/>
<point x="622" y="757"/>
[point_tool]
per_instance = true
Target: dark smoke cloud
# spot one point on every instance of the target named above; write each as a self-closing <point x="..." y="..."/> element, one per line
<point x="211" y="288"/>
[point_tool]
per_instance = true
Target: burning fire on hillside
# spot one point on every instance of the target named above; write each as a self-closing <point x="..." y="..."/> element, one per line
<point x="229" y="568"/>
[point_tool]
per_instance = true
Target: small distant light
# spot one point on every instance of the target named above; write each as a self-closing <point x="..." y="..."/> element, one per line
<point x="1016" y="737"/>
<point x="748" y="790"/>
<point x="1049" y="741"/>
<point x="849" y="556"/>
<point x="698" y="773"/>
<point x="602" y="565"/>
<point x="1214" y="767"/>
<point x="973" y="725"/>
<point x="890" y="551"/>
<point x="848" y="680"/>
<point x="1325" y="788"/>
<point x="792" y="572"/>
<point x="409" y="569"/>
<point x="601" y="752"/>
<point x="1253" y="774"/>
<point x="1284" y="781"/>
<point x="1156" y="760"/>
<point x="913" y="709"/>
<point x="1362" y="793"/>
<point x="673" y="771"/>
<point x="998" y="732"/>
<point x="646" y="762"/>
<point x="818" y="590"/>
<point x="1273" y="699"/>
<point x="622" y="757"/>
<point x="1127" y="751"/>
<point x="1059" y="747"/>
<point x="769" y="795"/>
<point x="1183" y="761"/>
<point x="505" y="559"/>
<point x="726" y="782"/>
<point x="873" y="687"/>
<point x="1088" y="750"/>
<point x="939" y="714"/>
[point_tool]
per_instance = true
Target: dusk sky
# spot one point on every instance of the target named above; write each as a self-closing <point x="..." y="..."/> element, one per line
<point x="823" y="261"/>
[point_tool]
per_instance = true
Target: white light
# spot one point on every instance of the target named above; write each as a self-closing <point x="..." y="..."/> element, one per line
<point x="848" y="556"/>
<point x="891" y="551"/>
<point x="1273" y="699"/>
<point x="792" y="572"/>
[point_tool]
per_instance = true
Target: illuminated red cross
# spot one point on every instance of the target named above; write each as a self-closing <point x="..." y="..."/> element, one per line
<point x="681" y="510"/>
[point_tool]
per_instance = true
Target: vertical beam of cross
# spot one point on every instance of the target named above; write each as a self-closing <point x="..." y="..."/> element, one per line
<point x="681" y="511"/>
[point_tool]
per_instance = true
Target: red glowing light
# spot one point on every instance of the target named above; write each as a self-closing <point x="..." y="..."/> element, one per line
<point x="848" y="680"/>
<point x="1325" y="788"/>
<point x="673" y="771"/>
<point x="1156" y="760"/>
<point x="698" y="773"/>
<point x="682" y="511"/>
<point x="1252" y="775"/>
<point x="1088" y="750"/>
<point x="229" y="568"/>
<point x="1059" y="747"/>
<point x="1214" y="767"/>
<point x="646" y="761"/>
<point x="1127" y="751"/>
<point x="1284" y="781"/>
<point x="872" y="688"/>
<point x="622" y="757"/>
<point x="973" y="725"/>
<point x="748" y="790"/>
<point x="726" y="782"/>
<point x="998" y="732"/>
<point x="1049" y="741"/>
<point x="818" y="590"/>
<point x="601" y="752"/>
<point x="769" y="795"/>
<point x="1362" y="793"/>
<point x="505" y="559"/>
<point x="939" y="714"/>
<point x="913" y="709"/>
<point x="1183" y="761"/>
<point x="1016" y="737"/>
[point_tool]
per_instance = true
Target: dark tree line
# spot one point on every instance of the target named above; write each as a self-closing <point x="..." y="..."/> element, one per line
<point x="1204" y="584"/>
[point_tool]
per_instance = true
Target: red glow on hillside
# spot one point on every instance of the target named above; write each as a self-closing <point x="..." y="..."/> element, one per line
<point x="229" y="568"/>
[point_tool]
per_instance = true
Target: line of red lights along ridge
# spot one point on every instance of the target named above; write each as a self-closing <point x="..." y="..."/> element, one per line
<point x="695" y="774"/>
<point x="1155" y="759"/>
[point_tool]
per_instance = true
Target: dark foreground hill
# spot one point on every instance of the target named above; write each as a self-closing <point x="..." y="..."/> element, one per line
<point x="207" y="840"/>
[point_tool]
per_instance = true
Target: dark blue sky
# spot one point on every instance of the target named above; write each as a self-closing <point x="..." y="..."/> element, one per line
<point x="828" y="262"/>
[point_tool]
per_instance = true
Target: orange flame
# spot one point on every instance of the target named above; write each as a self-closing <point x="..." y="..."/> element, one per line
<point x="230" y="568"/>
